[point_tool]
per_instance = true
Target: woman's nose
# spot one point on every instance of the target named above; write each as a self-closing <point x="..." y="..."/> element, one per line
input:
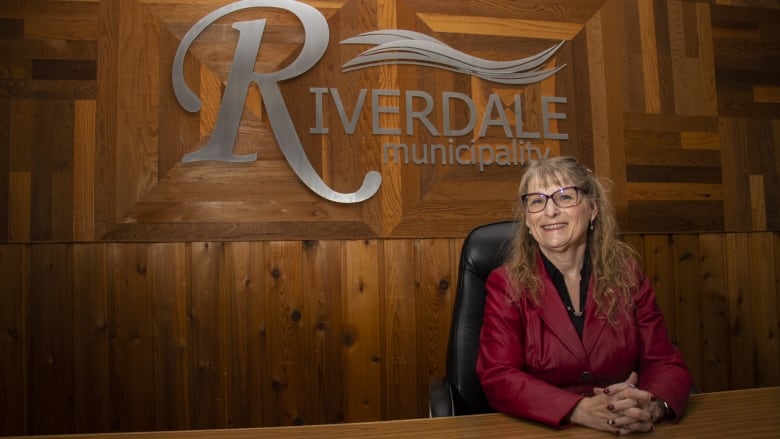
<point x="551" y="209"/>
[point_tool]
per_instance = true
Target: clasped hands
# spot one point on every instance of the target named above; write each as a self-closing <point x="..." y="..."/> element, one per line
<point x="621" y="409"/>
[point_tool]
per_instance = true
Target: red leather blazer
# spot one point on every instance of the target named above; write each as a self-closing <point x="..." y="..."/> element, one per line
<point x="532" y="364"/>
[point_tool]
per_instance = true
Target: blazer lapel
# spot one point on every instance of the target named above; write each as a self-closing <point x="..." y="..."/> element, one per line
<point x="557" y="319"/>
<point x="594" y="325"/>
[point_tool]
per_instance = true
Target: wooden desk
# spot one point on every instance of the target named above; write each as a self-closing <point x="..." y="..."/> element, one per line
<point x="753" y="413"/>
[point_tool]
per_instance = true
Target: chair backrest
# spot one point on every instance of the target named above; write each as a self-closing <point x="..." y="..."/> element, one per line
<point x="483" y="250"/>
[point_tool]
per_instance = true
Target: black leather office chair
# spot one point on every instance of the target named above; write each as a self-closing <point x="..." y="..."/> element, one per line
<point x="460" y="392"/>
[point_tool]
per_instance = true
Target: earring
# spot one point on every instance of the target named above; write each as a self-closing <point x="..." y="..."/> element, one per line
<point x="591" y="224"/>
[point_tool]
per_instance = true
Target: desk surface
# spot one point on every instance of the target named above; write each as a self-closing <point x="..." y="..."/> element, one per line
<point x="753" y="413"/>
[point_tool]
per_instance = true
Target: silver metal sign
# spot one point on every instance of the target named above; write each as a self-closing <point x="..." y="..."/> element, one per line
<point x="391" y="47"/>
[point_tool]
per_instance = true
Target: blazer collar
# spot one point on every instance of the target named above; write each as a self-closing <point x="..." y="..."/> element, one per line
<point x="554" y="314"/>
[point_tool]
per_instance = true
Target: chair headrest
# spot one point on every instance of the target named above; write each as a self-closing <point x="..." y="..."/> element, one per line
<point x="485" y="248"/>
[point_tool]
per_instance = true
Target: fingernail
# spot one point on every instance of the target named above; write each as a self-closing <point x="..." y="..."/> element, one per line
<point x="610" y="407"/>
<point x="606" y="391"/>
<point x="616" y="432"/>
<point x="652" y="398"/>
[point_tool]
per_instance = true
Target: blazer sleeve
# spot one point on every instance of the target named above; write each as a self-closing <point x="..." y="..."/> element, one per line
<point x="662" y="369"/>
<point x="500" y="363"/>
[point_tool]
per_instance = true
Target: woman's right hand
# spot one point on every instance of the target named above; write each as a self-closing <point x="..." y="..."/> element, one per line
<point x="620" y="409"/>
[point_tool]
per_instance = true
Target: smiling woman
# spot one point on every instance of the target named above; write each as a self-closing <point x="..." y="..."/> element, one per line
<point x="571" y="332"/>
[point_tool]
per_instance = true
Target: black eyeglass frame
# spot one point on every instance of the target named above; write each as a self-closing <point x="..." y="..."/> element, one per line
<point x="548" y="197"/>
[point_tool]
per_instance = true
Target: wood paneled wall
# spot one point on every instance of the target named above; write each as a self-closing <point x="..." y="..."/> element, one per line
<point x="137" y="292"/>
<point x="155" y="336"/>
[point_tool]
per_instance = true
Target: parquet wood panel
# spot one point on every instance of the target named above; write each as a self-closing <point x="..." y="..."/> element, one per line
<point x="677" y="92"/>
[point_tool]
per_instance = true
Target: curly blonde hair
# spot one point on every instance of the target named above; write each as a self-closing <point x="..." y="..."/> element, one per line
<point x="612" y="260"/>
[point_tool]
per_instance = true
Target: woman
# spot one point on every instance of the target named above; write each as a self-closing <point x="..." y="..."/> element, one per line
<point x="572" y="333"/>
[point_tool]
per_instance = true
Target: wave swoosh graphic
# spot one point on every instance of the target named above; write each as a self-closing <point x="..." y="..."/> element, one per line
<point x="396" y="46"/>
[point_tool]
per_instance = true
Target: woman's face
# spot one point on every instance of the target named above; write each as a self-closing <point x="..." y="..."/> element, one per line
<point x="556" y="229"/>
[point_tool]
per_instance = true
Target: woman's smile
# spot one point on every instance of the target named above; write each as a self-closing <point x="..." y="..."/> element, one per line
<point x="553" y="227"/>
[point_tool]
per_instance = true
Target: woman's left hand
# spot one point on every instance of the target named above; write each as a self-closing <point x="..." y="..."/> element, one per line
<point x="634" y="409"/>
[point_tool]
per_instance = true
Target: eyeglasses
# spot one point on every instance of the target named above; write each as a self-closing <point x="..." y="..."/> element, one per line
<point x="563" y="198"/>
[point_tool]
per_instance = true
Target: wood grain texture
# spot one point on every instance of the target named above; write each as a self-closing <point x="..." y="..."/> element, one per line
<point x="102" y="337"/>
<point x="15" y="343"/>
<point x="763" y="277"/>
<point x="91" y="348"/>
<point x="51" y="360"/>
<point x="715" y="312"/>
<point x="94" y="143"/>
<point x="402" y="383"/>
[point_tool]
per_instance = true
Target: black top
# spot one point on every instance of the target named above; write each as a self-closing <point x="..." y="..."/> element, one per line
<point x="577" y="318"/>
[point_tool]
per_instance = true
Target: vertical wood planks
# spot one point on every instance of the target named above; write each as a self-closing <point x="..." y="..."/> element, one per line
<point x="400" y="284"/>
<point x="14" y="339"/>
<point x="237" y="271"/>
<point x="434" y="308"/>
<point x="51" y="340"/>
<point x="284" y="333"/>
<point x="227" y="353"/>
<point x="741" y="345"/>
<point x="688" y="308"/>
<point x="91" y="381"/>
<point x="211" y="331"/>
<point x="250" y="269"/>
<point x="131" y="335"/>
<point x="172" y="347"/>
<point x="715" y="314"/>
<point x="763" y="280"/>
<point x="323" y="328"/>
<point x="152" y="336"/>
<point x="361" y="340"/>
<point x="659" y="265"/>
<point x="207" y="322"/>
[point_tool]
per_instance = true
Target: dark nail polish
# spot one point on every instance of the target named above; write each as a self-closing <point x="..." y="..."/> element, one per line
<point x="652" y="398"/>
<point x="610" y="407"/>
<point x="606" y="391"/>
